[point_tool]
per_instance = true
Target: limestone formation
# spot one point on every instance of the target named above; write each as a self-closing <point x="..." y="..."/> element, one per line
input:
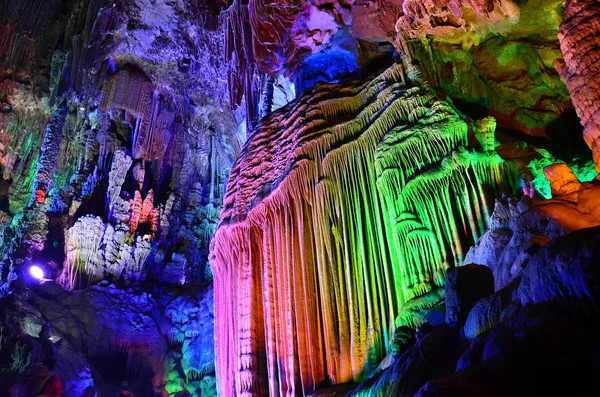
<point x="120" y="165"/>
<point x="579" y="69"/>
<point x="550" y="303"/>
<point x="562" y="180"/>
<point x="520" y="228"/>
<point x="50" y="151"/>
<point x="456" y="19"/>
<point x="366" y="146"/>
<point x="351" y="203"/>
<point x="84" y="258"/>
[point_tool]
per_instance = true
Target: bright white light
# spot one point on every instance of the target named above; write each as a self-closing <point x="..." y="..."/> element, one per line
<point x="36" y="272"/>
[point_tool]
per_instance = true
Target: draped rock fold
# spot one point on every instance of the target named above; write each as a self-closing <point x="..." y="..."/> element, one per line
<point x="343" y="206"/>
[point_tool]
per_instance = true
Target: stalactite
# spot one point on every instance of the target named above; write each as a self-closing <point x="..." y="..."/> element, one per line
<point x="49" y="155"/>
<point x="267" y="96"/>
<point x="6" y="38"/>
<point x="154" y="130"/>
<point x="84" y="256"/>
<point x="90" y="183"/>
<point x="343" y="206"/>
<point x="128" y="89"/>
<point x="243" y="75"/>
<point x="86" y="262"/>
<point x="120" y="166"/>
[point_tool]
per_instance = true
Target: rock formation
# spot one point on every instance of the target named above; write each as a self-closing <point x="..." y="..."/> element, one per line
<point x="166" y="341"/>
<point x="345" y="158"/>
<point x="335" y="219"/>
<point x="483" y="53"/>
<point x="116" y="138"/>
<point x="122" y="131"/>
<point x="546" y="279"/>
<point x="579" y="68"/>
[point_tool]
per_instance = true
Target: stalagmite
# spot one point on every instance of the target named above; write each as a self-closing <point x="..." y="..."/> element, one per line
<point x="343" y="206"/>
<point x="141" y="250"/>
<point x="143" y="211"/>
<point x="562" y="179"/>
<point x="84" y="257"/>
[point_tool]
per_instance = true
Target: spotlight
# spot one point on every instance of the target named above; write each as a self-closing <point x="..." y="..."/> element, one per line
<point x="36" y="272"/>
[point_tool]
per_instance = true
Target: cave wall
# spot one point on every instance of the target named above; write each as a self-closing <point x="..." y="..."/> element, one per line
<point x="116" y="141"/>
<point x="579" y="68"/>
<point x="121" y="121"/>
<point x="139" y="143"/>
<point x="494" y="57"/>
<point x="333" y="231"/>
<point x="160" y="341"/>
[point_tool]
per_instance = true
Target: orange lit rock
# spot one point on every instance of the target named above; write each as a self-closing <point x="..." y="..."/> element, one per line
<point x="562" y="179"/>
<point x="588" y="199"/>
<point x="580" y="69"/>
<point x="40" y="196"/>
<point x="456" y="20"/>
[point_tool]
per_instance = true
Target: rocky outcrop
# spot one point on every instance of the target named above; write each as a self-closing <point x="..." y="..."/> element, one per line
<point x="579" y="69"/>
<point x="536" y="326"/>
<point x="125" y="328"/>
<point x="520" y="228"/>
<point x="465" y="286"/>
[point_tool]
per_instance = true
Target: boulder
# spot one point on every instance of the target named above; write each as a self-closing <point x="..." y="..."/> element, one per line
<point x="565" y="269"/>
<point x="404" y="338"/>
<point x="465" y="286"/>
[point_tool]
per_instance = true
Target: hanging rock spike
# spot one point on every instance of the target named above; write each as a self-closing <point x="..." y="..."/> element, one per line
<point x="343" y="206"/>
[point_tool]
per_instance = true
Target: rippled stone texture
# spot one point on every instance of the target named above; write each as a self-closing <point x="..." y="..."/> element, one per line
<point x="343" y="206"/>
<point x="580" y="68"/>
